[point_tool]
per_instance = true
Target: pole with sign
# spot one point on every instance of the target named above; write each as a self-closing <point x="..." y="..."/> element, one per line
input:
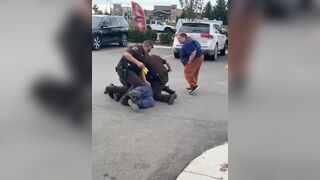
<point x="139" y="17"/>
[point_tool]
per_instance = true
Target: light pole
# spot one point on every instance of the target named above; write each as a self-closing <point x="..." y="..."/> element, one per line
<point x="106" y="7"/>
<point x="110" y="7"/>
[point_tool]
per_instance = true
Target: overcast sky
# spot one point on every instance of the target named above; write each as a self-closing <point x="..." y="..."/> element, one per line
<point x="146" y="4"/>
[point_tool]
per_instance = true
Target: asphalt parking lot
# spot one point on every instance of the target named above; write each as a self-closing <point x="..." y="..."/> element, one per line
<point x="156" y="143"/>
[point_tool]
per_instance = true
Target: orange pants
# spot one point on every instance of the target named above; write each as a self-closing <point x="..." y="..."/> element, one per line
<point x="191" y="71"/>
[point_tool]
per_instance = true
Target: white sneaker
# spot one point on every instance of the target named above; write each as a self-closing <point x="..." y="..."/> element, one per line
<point x="133" y="106"/>
<point x="194" y="89"/>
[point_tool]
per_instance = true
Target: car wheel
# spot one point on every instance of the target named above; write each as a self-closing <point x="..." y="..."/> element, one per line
<point x="168" y="30"/>
<point x="148" y="28"/>
<point x="96" y="43"/>
<point x="176" y="54"/>
<point x="124" y="40"/>
<point x="215" y="55"/>
<point x="223" y="51"/>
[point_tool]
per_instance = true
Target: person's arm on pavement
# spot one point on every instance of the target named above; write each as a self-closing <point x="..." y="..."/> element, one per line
<point x="192" y="56"/>
<point x="168" y="66"/>
<point x="129" y="57"/>
<point x="143" y="77"/>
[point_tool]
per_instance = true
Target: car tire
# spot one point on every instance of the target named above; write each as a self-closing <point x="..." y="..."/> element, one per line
<point x="215" y="55"/>
<point x="149" y="28"/>
<point x="168" y="30"/>
<point x="223" y="51"/>
<point x="176" y="55"/>
<point x="96" y="42"/>
<point x="124" y="40"/>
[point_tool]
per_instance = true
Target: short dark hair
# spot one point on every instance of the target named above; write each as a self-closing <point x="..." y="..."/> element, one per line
<point x="148" y="43"/>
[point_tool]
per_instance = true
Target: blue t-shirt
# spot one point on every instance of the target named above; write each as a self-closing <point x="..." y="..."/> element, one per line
<point x="187" y="48"/>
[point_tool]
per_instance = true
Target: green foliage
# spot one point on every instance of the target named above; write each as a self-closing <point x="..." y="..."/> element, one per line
<point x="191" y="8"/>
<point x="96" y="9"/>
<point x="136" y="36"/>
<point x="220" y="11"/>
<point x="166" y="38"/>
<point x="151" y="35"/>
<point x="208" y="11"/>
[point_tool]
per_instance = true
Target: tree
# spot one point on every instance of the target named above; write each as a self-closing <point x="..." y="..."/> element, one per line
<point x="96" y="10"/>
<point x="220" y="11"/>
<point x="207" y="11"/>
<point x="191" y="8"/>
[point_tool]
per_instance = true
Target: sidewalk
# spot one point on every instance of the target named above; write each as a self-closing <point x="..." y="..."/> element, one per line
<point x="211" y="165"/>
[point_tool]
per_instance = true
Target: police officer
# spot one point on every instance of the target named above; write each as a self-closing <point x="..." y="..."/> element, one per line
<point x="158" y="78"/>
<point x="130" y="68"/>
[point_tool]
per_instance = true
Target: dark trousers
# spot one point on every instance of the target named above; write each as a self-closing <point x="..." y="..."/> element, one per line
<point x="118" y="89"/>
<point x="157" y="88"/>
<point x="130" y="81"/>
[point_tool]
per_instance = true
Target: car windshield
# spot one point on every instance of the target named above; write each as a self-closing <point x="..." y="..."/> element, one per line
<point x="96" y="21"/>
<point x="194" y="28"/>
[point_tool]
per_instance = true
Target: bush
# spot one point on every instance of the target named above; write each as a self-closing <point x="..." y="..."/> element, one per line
<point x="151" y="35"/>
<point x="166" y="38"/>
<point x="139" y="36"/>
<point x="136" y="36"/>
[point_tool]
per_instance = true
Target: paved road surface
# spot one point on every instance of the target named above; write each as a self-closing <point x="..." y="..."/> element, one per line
<point x="157" y="143"/>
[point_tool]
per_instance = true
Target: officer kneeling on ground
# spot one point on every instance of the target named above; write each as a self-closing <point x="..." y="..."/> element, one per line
<point x="158" y="78"/>
<point x="130" y="69"/>
<point x="157" y="75"/>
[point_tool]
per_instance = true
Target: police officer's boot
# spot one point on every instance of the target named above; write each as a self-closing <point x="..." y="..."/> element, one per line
<point x="172" y="98"/>
<point x="168" y="90"/>
<point x="108" y="89"/>
<point x="117" y="96"/>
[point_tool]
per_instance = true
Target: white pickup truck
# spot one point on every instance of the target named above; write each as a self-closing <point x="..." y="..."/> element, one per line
<point x="160" y="26"/>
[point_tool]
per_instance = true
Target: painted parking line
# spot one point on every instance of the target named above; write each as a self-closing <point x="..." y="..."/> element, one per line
<point x="164" y="57"/>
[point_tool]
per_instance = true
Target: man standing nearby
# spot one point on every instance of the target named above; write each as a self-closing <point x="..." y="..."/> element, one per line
<point x="192" y="58"/>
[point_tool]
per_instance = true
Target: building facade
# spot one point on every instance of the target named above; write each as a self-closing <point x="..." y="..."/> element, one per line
<point x="165" y="13"/>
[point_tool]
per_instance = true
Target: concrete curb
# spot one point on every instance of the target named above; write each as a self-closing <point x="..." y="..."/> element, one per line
<point x="162" y="47"/>
<point x="208" y="165"/>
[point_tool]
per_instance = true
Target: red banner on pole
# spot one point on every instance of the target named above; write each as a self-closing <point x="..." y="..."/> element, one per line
<point x="139" y="17"/>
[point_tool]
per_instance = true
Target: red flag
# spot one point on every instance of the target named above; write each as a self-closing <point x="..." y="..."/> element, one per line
<point x="139" y="17"/>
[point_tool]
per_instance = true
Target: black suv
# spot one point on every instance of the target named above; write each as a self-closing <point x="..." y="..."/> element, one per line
<point x="109" y="29"/>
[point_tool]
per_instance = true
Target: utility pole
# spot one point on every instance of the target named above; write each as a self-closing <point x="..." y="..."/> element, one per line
<point x="110" y="7"/>
<point x="128" y="12"/>
<point x="106" y="7"/>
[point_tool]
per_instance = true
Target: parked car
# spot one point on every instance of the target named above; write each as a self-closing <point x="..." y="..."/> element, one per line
<point x="210" y="36"/>
<point x="160" y="26"/>
<point x="109" y="29"/>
